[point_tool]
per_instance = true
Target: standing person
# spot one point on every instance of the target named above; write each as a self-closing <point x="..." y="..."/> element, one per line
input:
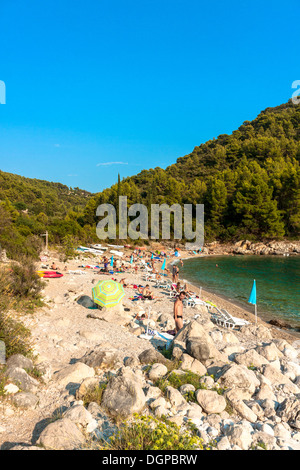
<point x="175" y="274"/>
<point x="178" y="311"/>
<point x="105" y="260"/>
<point x="174" y="271"/>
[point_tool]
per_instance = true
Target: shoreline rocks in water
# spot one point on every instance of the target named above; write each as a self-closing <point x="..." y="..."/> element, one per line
<point x="246" y="247"/>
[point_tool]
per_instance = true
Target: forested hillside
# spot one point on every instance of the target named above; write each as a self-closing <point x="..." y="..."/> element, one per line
<point x="29" y="207"/>
<point x="249" y="181"/>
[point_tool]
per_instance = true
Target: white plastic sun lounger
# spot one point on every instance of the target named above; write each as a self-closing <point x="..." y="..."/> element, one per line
<point x="237" y="321"/>
<point x="77" y="272"/>
<point x="192" y="302"/>
<point x="224" y="319"/>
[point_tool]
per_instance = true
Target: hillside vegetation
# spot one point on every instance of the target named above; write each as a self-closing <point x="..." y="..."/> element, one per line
<point x="249" y="181"/>
<point x="29" y="207"/>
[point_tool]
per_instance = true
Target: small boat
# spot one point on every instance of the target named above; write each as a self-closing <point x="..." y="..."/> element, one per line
<point x="99" y="247"/>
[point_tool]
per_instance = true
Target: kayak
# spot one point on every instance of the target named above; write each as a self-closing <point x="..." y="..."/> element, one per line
<point x="49" y="274"/>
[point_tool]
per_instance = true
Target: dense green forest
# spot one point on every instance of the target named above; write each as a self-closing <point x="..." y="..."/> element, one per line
<point x="249" y="183"/>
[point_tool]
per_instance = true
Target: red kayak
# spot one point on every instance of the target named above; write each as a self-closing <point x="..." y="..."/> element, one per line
<point x="49" y="274"/>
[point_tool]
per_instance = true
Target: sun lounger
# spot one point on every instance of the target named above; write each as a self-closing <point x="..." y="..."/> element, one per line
<point x="173" y="294"/>
<point x="193" y="301"/>
<point x="237" y="321"/>
<point x="224" y="319"/>
<point x="77" y="272"/>
<point x="164" y="284"/>
<point x="150" y="277"/>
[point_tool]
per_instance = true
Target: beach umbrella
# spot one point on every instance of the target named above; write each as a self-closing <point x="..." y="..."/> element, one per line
<point x="252" y="299"/>
<point x="108" y="293"/>
<point x="163" y="265"/>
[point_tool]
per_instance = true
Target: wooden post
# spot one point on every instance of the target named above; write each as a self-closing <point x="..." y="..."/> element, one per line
<point x="46" y="235"/>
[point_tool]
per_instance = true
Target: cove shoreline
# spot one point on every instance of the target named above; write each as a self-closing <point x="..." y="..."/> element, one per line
<point x="234" y="307"/>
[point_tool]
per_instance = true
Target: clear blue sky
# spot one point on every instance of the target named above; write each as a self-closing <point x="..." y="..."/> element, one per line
<point x="90" y="84"/>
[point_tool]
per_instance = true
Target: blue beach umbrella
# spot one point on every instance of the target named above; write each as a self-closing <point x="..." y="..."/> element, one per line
<point x="252" y="299"/>
<point x="163" y="265"/>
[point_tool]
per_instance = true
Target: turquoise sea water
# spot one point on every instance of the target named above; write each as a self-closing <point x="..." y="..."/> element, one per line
<point x="277" y="282"/>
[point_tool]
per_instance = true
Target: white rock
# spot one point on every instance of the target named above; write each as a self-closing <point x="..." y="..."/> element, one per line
<point x="11" y="388"/>
<point x="74" y="373"/>
<point x="157" y="371"/>
<point x="210" y="401"/>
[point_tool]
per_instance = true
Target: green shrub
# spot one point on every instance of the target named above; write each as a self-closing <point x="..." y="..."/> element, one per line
<point x="15" y="336"/>
<point x="148" y="433"/>
<point x="94" y="395"/>
<point x="177" y="380"/>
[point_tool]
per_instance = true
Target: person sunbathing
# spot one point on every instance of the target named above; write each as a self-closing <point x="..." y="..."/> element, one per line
<point x="188" y="292"/>
<point x="54" y="267"/>
<point x="147" y="294"/>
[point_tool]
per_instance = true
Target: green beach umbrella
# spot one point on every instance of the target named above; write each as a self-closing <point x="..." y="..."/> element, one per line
<point x="108" y="293"/>
<point x="252" y="299"/>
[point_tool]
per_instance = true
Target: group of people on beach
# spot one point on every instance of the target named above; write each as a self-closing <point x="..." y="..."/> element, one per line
<point x="131" y="262"/>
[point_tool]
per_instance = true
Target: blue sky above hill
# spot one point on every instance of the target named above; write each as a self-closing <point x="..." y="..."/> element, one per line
<point x="102" y="87"/>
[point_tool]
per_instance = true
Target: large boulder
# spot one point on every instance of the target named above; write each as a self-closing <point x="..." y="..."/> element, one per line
<point x="74" y="374"/>
<point x="210" y="401"/>
<point x="157" y="371"/>
<point x="63" y="434"/>
<point x="86" y="302"/>
<point x="189" y="363"/>
<point x="102" y="358"/>
<point x="124" y="394"/>
<point x="289" y="412"/>
<point x="251" y="358"/>
<point x="150" y="356"/>
<point x="25" y="381"/>
<point x="198" y="342"/>
<point x="238" y="376"/>
<point x="203" y="349"/>
<point x="277" y="378"/>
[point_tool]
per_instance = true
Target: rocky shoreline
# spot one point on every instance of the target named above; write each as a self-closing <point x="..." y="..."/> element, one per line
<point x="246" y="394"/>
<point x="246" y="247"/>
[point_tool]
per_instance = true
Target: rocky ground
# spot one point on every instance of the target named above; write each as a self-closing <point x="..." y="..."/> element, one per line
<point x="248" y="394"/>
<point x="246" y="247"/>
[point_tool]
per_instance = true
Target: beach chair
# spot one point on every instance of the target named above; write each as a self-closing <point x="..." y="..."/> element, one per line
<point x="193" y="301"/>
<point x="224" y="319"/>
<point x="173" y="294"/>
<point x="143" y="265"/>
<point x="162" y="283"/>
<point x="150" y="276"/>
<point x="239" y="322"/>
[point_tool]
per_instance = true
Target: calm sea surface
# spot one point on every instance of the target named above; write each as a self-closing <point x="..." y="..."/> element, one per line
<point x="277" y="282"/>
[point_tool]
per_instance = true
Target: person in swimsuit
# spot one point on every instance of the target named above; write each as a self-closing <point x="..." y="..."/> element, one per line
<point x="147" y="294"/>
<point x="178" y="310"/>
